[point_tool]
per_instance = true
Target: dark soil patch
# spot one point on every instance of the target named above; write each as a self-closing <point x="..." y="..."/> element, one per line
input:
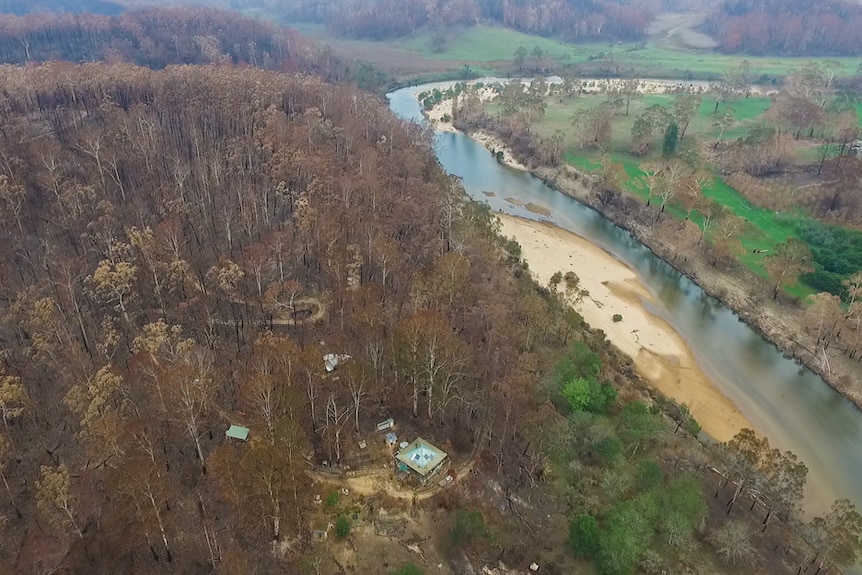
<point x="302" y="314"/>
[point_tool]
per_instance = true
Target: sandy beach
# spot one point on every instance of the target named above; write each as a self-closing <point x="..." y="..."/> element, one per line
<point x="660" y="354"/>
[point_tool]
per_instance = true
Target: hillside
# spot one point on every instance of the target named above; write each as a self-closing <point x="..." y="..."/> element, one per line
<point x="787" y="27"/>
<point x="180" y="250"/>
<point x="154" y="38"/>
<point x="104" y="7"/>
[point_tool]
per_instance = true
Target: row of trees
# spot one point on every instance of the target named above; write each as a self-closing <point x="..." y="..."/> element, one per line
<point x="776" y="482"/>
<point x="104" y="7"/>
<point x="766" y="148"/>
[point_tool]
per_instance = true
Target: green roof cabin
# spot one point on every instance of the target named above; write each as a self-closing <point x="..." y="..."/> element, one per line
<point x="237" y="432"/>
<point x="420" y="458"/>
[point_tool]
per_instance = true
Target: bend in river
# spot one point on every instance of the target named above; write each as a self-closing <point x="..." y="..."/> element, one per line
<point x="790" y="405"/>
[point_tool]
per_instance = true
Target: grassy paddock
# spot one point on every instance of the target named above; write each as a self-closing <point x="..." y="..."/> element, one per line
<point x="766" y="229"/>
<point x="491" y="44"/>
<point x="558" y="115"/>
<point x="488" y="43"/>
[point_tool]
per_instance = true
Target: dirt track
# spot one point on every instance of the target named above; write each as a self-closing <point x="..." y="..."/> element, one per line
<point x="381" y="479"/>
<point x="678" y="31"/>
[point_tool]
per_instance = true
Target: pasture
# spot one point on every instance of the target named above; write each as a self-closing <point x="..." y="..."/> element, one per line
<point x="492" y="47"/>
<point x="559" y="112"/>
<point x="765" y="228"/>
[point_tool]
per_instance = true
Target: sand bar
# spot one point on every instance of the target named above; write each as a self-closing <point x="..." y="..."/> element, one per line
<point x="659" y="353"/>
<point x="440" y="118"/>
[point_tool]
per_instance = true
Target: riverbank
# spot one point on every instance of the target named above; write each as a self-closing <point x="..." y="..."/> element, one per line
<point x="659" y="353"/>
<point x="779" y="323"/>
<point x="440" y="117"/>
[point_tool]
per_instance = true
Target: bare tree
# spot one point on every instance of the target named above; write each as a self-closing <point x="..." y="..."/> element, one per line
<point x="732" y="541"/>
<point x="192" y="387"/>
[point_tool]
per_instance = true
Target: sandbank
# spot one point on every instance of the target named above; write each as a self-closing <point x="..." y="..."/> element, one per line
<point x="660" y="354"/>
<point x="440" y="118"/>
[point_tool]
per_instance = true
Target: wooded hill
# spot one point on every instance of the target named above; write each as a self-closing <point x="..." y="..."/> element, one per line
<point x="165" y="235"/>
<point x="380" y="19"/>
<point x="105" y="7"/>
<point x="787" y="27"/>
<point x="383" y="19"/>
<point x="157" y="38"/>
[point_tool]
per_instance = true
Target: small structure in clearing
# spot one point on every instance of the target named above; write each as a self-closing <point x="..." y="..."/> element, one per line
<point x="237" y="432"/>
<point x="387" y="423"/>
<point x="421" y="458"/>
<point x="331" y="361"/>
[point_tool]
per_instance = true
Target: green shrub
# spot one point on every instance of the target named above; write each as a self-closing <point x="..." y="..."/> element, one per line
<point x="584" y="536"/>
<point x="625" y="537"/>
<point x="587" y="394"/>
<point x="332" y="499"/>
<point x="692" y="426"/>
<point x="577" y="393"/>
<point x="617" y="318"/>
<point x="649" y="475"/>
<point x="586" y="362"/>
<point x="556" y="279"/>
<point x="467" y="526"/>
<point x="408" y="569"/>
<point x="514" y="250"/>
<point x="607" y="450"/>
<point x="638" y="426"/>
<point x="342" y="527"/>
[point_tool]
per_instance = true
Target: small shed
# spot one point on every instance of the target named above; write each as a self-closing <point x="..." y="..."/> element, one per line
<point x="331" y="361"/>
<point x="421" y="458"/>
<point x="388" y="423"/>
<point x="391" y="438"/>
<point x="237" y="432"/>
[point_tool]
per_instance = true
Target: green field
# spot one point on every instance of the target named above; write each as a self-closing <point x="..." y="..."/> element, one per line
<point x="766" y="229"/>
<point x="496" y="46"/>
<point x="493" y="44"/>
<point x="559" y="114"/>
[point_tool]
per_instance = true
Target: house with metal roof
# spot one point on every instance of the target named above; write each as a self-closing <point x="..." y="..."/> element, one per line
<point x="421" y="459"/>
<point x="237" y="432"/>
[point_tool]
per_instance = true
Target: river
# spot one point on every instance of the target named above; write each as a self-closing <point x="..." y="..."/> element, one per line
<point x="785" y="402"/>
